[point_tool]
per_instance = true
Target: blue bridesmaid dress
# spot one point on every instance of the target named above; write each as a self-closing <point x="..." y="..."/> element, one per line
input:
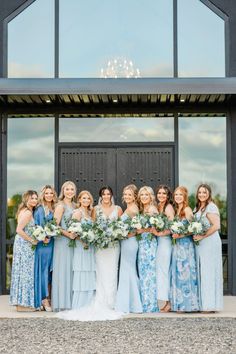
<point x="164" y="251"/>
<point x="22" y="276"/>
<point x="62" y="267"/>
<point x="43" y="259"/>
<point x="209" y="266"/>
<point x="147" y="272"/>
<point x="84" y="273"/>
<point x="128" y="295"/>
<point x="184" y="283"/>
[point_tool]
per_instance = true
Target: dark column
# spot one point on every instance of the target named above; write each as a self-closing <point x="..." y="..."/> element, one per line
<point x="3" y="203"/>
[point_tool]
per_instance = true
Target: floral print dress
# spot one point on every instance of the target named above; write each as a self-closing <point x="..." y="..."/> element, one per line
<point x="22" y="276"/>
<point x="147" y="272"/>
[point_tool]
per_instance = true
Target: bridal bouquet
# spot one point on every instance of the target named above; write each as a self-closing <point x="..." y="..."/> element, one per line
<point x="52" y="229"/>
<point x="160" y="222"/>
<point x="198" y="227"/>
<point x="74" y="226"/>
<point x="103" y="233"/>
<point x="180" y="227"/>
<point x="38" y="233"/>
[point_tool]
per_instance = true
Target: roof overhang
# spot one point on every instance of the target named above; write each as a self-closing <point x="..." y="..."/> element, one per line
<point x="79" y="97"/>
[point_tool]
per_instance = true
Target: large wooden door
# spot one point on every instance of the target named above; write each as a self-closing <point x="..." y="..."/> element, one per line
<point x="91" y="166"/>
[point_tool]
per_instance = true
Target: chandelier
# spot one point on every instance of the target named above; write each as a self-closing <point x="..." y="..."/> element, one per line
<point x="120" y="67"/>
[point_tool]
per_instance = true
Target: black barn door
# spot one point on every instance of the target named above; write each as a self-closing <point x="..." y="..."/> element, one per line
<point x="91" y="166"/>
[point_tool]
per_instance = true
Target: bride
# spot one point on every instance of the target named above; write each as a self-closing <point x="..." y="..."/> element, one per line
<point x="102" y="306"/>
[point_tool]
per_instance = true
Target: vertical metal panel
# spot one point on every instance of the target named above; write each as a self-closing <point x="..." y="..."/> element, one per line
<point x="56" y="157"/>
<point x="56" y="39"/>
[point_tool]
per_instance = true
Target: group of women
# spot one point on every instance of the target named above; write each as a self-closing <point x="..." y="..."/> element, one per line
<point x="130" y="276"/>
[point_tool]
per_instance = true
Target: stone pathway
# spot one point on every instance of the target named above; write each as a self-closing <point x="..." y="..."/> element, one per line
<point x="129" y="336"/>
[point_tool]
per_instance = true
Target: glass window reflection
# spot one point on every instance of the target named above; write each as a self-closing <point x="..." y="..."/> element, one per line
<point x="96" y="35"/>
<point x="201" y="41"/>
<point x="31" y="41"/>
<point x="116" y="129"/>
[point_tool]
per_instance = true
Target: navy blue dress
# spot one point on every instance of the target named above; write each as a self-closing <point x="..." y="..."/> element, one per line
<point x="43" y="259"/>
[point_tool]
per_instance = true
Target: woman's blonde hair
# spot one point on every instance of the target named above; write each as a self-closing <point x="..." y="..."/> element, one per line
<point x="62" y="195"/>
<point x="42" y="195"/>
<point x="134" y="189"/>
<point x="90" y="208"/>
<point x="25" y="199"/>
<point x="184" y="191"/>
<point x="152" y="196"/>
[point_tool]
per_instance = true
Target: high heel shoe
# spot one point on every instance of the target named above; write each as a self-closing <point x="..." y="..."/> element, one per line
<point x="46" y="306"/>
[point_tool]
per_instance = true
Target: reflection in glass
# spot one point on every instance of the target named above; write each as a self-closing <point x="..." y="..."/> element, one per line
<point x="92" y="33"/>
<point x="116" y="129"/>
<point x="31" y="41"/>
<point x="201" y="41"/>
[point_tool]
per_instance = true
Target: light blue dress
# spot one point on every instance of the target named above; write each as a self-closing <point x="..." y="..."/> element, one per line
<point x="184" y="283"/>
<point x="62" y="267"/>
<point x="209" y="266"/>
<point x="147" y="272"/>
<point x="84" y="273"/>
<point x="128" y="295"/>
<point x="22" y="276"/>
<point x="43" y="259"/>
<point x="164" y="251"/>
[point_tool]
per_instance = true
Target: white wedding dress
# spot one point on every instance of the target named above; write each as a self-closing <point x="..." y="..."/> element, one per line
<point x="103" y="303"/>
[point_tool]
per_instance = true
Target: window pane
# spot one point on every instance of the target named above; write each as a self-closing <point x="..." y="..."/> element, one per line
<point x="31" y="41"/>
<point x="201" y="40"/>
<point x="116" y="129"/>
<point x="30" y="165"/>
<point x="94" y="33"/>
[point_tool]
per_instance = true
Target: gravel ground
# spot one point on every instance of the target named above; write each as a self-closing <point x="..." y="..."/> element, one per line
<point x="193" y="335"/>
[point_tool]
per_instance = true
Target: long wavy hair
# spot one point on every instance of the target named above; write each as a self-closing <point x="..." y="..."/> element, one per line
<point x="42" y="196"/>
<point x="209" y="199"/>
<point x="90" y="207"/>
<point x="180" y="212"/>
<point x="168" y="196"/>
<point x="62" y="195"/>
<point x="25" y="199"/>
<point x="134" y="190"/>
<point x="151" y="194"/>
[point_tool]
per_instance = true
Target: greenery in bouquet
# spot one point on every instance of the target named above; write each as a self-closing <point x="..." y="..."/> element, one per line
<point x="179" y="226"/>
<point x="160" y="222"/>
<point x="73" y="226"/>
<point x="141" y="221"/>
<point x="102" y="229"/>
<point x="198" y="227"/>
<point x="37" y="233"/>
<point x="87" y="236"/>
<point x="52" y="229"/>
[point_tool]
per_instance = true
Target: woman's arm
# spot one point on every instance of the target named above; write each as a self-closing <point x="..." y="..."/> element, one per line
<point x="120" y="211"/>
<point x="215" y="226"/>
<point x="23" y="219"/>
<point x="58" y="216"/>
<point x="170" y="213"/>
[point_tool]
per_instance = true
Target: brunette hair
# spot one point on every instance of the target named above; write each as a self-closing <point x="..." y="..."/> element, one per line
<point x="209" y="199"/>
<point x="134" y="189"/>
<point x="184" y="191"/>
<point x="42" y="195"/>
<point x="168" y="194"/>
<point x="90" y="208"/>
<point x="102" y="190"/>
<point x="65" y="184"/>
<point x="151" y="193"/>
<point x="24" y="201"/>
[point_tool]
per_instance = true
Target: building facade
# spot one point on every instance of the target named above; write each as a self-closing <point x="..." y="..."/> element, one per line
<point x="118" y="93"/>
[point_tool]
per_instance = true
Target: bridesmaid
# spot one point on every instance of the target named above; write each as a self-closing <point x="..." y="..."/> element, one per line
<point x="84" y="272"/>
<point x="128" y="294"/>
<point x="147" y="254"/>
<point x="22" y="277"/>
<point x="63" y="254"/>
<point x="209" y="253"/>
<point x="43" y="255"/>
<point x="164" y="249"/>
<point x="184" y="285"/>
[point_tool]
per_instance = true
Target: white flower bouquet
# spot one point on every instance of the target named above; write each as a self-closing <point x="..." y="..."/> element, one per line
<point x="87" y="235"/>
<point x="74" y="226"/>
<point x="160" y="222"/>
<point x="103" y="233"/>
<point x="120" y="230"/>
<point x="141" y="221"/>
<point x="197" y="227"/>
<point x="52" y="229"/>
<point x="180" y="227"/>
<point x="37" y="233"/>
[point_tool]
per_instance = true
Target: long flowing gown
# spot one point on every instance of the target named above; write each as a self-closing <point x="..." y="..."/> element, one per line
<point x="22" y="276"/>
<point x="147" y="272"/>
<point x="164" y="251"/>
<point x="84" y="272"/>
<point x="43" y="259"/>
<point x="209" y="266"/>
<point x="128" y="295"/>
<point x="102" y="306"/>
<point x="184" y="282"/>
<point x="62" y="267"/>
